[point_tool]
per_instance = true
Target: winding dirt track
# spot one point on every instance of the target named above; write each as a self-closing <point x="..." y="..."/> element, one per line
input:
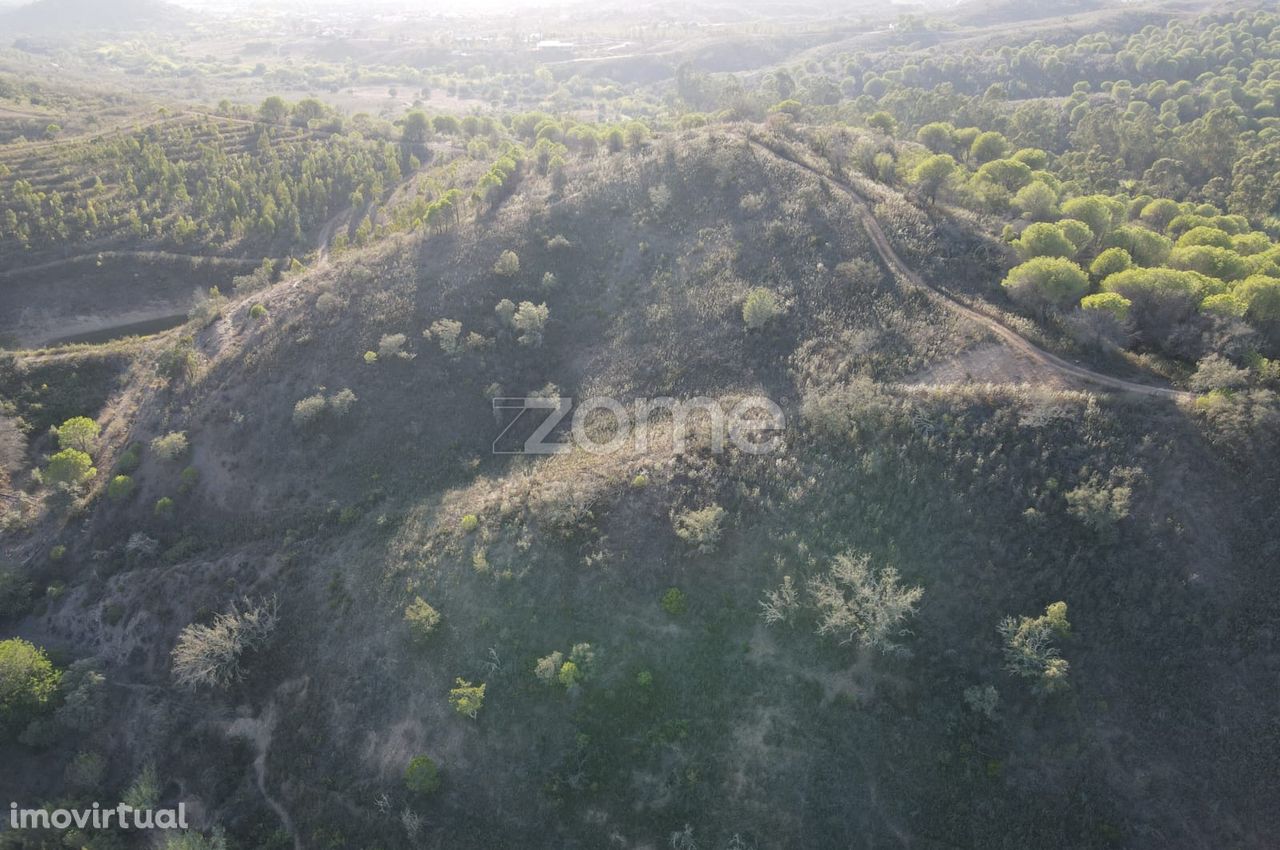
<point x="210" y="259"/>
<point x="1010" y="337"/>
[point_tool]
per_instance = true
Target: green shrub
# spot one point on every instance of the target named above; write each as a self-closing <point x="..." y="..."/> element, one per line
<point x="392" y="345"/>
<point x="1037" y="201"/>
<point x="171" y="447"/>
<point x="1029" y="649"/>
<point x="530" y="319"/>
<point x="470" y="523"/>
<point x="674" y="601"/>
<point x="164" y="508"/>
<point x="1109" y="262"/>
<point x="130" y="459"/>
<point x="144" y="792"/>
<point x="1225" y="304"/>
<point x="208" y="307"/>
<point x="78" y="433"/>
<point x="506" y="311"/>
<point x="446" y="333"/>
<point x="188" y="479"/>
<point x="1261" y="295"/>
<point x="1076" y="232"/>
<point x="258" y="311"/>
<point x="569" y="674"/>
<point x="1111" y="303"/>
<point x="180" y="362"/>
<point x="1099" y="505"/>
<point x="1044" y="240"/>
<point x="584" y="658"/>
<point x="340" y="402"/>
<point x="120" y="488"/>
<point x="69" y="468"/>
<point x="466" y="698"/>
<point x="1221" y="263"/>
<point x="306" y="411"/>
<point x="760" y="308"/>
<point x="28" y="684"/>
<point x="1046" y="282"/>
<point x="86" y="771"/>
<point x="15" y="591"/>
<point x="702" y="528"/>
<point x="422" y="776"/>
<point x="548" y="667"/>
<point x="982" y="700"/>
<point x="508" y="265"/>
<point x="422" y="618"/>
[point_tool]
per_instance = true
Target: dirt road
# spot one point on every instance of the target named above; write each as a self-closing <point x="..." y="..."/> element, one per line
<point x="1074" y="371"/>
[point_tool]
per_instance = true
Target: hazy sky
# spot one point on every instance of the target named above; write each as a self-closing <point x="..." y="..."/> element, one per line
<point x="445" y="6"/>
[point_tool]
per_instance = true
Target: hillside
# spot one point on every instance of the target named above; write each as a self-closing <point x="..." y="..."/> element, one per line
<point x="987" y="12"/>
<point x="692" y="713"/>
<point x="60" y="17"/>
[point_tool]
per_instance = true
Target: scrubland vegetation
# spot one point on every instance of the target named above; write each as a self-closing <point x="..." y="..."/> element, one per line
<point x="1006" y="578"/>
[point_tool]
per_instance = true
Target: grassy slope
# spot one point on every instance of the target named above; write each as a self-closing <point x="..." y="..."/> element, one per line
<point x="771" y="733"/>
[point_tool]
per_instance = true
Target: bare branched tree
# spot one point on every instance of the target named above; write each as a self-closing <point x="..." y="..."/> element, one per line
<point x="683" y="839"/>
<point x="779" y="606"/>
<point x="856" y="603"/>
<point x="211" y="655"/>
<point x="411" y="821"/>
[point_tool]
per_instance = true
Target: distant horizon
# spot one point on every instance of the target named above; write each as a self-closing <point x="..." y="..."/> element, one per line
<point x="474" y="7"/>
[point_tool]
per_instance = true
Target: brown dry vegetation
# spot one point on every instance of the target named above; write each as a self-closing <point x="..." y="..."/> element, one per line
<point x="776" y="735"/>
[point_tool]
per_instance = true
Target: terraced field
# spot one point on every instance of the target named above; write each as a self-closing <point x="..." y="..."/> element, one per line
<point x="227" y="186"/>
